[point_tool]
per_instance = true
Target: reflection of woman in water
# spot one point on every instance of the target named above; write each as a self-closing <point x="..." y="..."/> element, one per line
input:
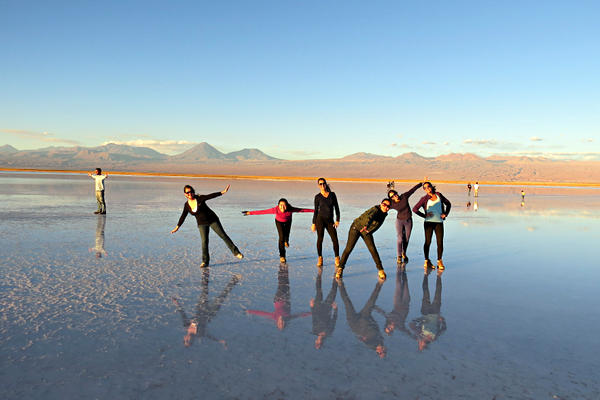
<point x="437" y="208"/>
<point x="283" y="221"/>
<point x="206" y="219"/>
<point x="396" y="318"/>
<point x="282" y="304"/>
<point x="324" y="313"/>
<point x="362" y="323"/>
<point x="430" y="325"/>
<point x="205" y="311"/>
<point x="325" y="205"/>
<point x="99" y="243"/>
<point x="404" y="220"/>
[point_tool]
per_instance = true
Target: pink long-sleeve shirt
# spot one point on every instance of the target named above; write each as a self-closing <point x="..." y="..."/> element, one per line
<point x="281" y="216"/>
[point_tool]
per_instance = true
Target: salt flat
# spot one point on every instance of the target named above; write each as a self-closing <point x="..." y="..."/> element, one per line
<point x="517" y="299"/>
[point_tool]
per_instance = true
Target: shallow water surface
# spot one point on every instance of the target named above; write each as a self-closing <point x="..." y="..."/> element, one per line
<point x="101" y="306"/>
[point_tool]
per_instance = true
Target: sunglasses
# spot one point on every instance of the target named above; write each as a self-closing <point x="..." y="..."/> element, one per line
<point x="386" y="205"/>
<point x="322" y="183"/>
<point x="189" y="192"/>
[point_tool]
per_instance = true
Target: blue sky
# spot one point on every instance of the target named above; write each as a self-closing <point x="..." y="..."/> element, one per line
<point x="309" y="79"/>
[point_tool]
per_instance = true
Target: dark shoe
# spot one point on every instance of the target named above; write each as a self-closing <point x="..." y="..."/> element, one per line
<point x="96" y="212"/>
<point x="404" y="258"/>
<point x="103" y="212"/>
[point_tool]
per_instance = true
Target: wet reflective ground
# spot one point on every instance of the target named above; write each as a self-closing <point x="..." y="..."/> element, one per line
<point x="116" y="307"/>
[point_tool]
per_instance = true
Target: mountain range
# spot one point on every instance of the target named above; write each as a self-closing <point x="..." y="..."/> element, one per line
<point x="204" y="159"/>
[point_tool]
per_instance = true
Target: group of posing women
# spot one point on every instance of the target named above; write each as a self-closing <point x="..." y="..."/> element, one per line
<point x="433" y="207"/>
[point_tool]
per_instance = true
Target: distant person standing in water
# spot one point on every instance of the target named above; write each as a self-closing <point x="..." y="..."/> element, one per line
<point x="206" y="219"/>
<point x="476" y="189"/>
<point x="469" y="188"/>
<point x="404" y="220"/>
<point x="522" y="195"/>
<point x="325" y="205"/>
<point x="283" y="221"/>
<point x="364" y="227"/>
<point x="436" y="207"/>
<point x="99" y="178"/>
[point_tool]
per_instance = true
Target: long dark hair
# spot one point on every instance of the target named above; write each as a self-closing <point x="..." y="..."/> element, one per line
<point x="186" y="187"/>
<point x="433" y="191"/>
<point x="327" y="188"/>
<point x="287" y="205"/>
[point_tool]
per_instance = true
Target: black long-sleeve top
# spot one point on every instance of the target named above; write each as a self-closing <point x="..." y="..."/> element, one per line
<point x="203" y="214"/>
<point x="325" y="206"/>
<point x="372" y="219"/>
<point x="402" y="206"/>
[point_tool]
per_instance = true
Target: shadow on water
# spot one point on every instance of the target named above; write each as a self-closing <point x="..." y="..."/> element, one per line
<point x="430" y="325"/>
<point x="324" y="312"/>
<point x="362" y="323"/>
<point x="205" y="311"/>
<point x="282" y="304"/>
<point x="396" y="319"/>
<point x="98" y="248"/>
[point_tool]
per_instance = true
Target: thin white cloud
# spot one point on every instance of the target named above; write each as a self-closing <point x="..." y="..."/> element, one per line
<point x="45" y="137"/>
<point x="429" y="143"/>
<point x="481" y="142"/>
<point x="588" y="140"/>
<point x="536" y="139"/>
<point x="162" y="146"/>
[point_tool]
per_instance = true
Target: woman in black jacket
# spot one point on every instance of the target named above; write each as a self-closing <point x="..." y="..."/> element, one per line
<point x="206" y="218"/>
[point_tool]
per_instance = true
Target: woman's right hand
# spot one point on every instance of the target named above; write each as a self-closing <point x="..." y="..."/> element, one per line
<point x="245" y="212"/>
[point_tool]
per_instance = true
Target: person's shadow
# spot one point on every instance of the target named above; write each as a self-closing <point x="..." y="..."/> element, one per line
<point x="98" y="248"/>
<point x="362" y="323"/>
<point x="324" y="312"/>
<point x="282" y="304"/>
<point x="205" y="311"/>
<point x="396" y="319"/>
<point x="430" y="325"/>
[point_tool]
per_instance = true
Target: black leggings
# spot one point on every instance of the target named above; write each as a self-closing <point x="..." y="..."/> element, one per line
<point x="283" y="228"/>
<point x="430" y="227"/>
<point x="321" y="225"/>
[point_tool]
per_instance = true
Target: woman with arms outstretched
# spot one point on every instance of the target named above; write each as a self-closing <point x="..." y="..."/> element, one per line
<point x="206" y="219"/>
<point x="283" y="221"/>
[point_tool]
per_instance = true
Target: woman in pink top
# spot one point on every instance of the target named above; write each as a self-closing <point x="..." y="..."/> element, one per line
<point x="283" y="221"/>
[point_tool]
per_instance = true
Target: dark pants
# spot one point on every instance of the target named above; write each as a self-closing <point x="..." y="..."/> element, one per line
<point x="283" y="228"/>
<point x="218" y="228"/>
<point x="353" y="235"/>
<point x="430" y="227"/>
<point x="322" y="224"/>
